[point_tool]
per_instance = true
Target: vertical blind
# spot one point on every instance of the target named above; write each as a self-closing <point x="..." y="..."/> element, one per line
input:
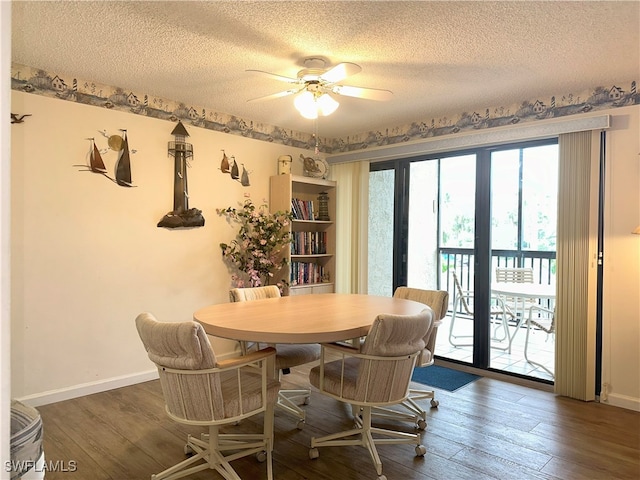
<point x="576" y="267"/>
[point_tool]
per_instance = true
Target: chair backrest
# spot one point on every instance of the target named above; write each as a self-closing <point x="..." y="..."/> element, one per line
<point x="253" y="293"/>
<point x="438" y="301"/>
<point x="250" y="294"/>
<point x="514" y="274"/>
<point x="400" y="337"/>
<point x="183" y="347"/>
<point x="459" y="292"/>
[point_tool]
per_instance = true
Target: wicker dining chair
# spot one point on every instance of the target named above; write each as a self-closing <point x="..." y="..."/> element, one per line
<point x="200" y="390"/>
<point x="287" y="355"/>
<point x="377" y="374"/>
<point x="438" y="301"/>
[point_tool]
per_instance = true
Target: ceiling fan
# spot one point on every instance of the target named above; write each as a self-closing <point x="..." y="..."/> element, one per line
<point x="315" y="82"/>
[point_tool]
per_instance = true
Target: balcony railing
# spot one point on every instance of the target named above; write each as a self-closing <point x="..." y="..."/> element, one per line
<point x="461" y="261"/>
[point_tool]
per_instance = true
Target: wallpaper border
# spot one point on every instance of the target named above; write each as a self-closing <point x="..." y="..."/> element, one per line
<point x="65" y="87"/>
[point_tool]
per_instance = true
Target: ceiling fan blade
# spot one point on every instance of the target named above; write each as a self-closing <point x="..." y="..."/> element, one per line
<point x="282" y="78"/>
<point x="340" y="72"/>
<point x="360" y="92"/>
<point x="275" y="95"/>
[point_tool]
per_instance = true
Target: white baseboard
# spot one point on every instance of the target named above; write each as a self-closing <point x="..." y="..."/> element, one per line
<point x="75" y="391"/>
<point x="622" y="401"/>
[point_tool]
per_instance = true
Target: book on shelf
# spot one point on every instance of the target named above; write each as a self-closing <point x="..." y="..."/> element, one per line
<point x="309" y="243"/>
<point x="305" y="273"/>
<point x="302" y="209"/>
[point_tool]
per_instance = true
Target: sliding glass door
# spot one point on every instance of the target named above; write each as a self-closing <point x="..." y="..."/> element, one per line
<point x="524" y="199"/>
<point x="447" y="222"/>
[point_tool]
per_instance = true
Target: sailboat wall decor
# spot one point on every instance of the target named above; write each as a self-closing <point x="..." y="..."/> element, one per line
<point x="96" y="164"/>
<point x="123" y="164"/>
<point x="230" y="166"/>
<point x="224" y="164"/>
<point x="122" y="168"/>
<point x="181" y="215"/>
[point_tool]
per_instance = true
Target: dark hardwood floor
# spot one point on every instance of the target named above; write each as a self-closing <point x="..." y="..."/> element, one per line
<point x="488" y="429"/>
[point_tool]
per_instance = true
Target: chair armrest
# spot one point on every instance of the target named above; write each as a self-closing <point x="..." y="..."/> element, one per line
<point x="539" y="308"/>
<point x="340" y="348"/>
<point x="248" y="359"/>
<point x="346" y="351"/>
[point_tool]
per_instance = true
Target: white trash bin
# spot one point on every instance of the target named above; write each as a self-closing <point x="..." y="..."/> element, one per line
<point x="27" y="455"/>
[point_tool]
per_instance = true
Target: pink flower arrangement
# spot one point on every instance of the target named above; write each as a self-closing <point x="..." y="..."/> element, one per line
<point x="258" y="249"/>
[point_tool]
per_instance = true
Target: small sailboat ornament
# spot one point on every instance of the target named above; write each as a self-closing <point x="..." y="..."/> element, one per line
<point x="96" y="164"/>
<point x="123" y="164"/>
<point x="235" y="172"/>
<point x="244" y="180"/>
<point x="224" y="164"/>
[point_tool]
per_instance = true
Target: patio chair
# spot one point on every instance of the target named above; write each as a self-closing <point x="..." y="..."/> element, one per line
<point x="200" y="390"/>
<point x="287" y="355"/>
<point x="463" y="304"/>
<point x="438" y="301"/>
<point x="515" y="275"/>
<point x="376" y="375"/>
<point x="545" y="321"/>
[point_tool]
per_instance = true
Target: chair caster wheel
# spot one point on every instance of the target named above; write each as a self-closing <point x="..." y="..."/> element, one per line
<point x="188" y="450"/>
<point x="261" y="456"/>
<point x="420" y="450"/>
<point x="300" y="424"/>
<point x="434" y="403"/>
<point x="307" y="400"/>
<point x="313" y="453"/>
<point x="421" y="424"/>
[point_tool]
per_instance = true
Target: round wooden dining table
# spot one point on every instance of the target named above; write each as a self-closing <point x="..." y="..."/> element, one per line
<point x="315" y="318"/>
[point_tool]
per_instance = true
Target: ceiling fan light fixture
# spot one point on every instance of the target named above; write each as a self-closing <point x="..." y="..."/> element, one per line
<point x="305" y="103"/>
<point x="327" y="105"/>
<point x="309" y="104"/>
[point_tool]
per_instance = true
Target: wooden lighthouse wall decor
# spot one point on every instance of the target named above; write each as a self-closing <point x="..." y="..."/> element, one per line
<point x="182" y="215"/>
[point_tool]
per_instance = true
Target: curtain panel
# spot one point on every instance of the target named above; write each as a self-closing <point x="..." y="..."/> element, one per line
<point x="576" y="265"/>
<point x="352" y="213"/>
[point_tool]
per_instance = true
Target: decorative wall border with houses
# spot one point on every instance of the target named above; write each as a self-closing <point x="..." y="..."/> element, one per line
<point x="40" y="82"/>
<point x="600" y="98"/>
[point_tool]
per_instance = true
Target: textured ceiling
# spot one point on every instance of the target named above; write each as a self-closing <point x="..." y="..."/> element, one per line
<point x="438" y="58"/>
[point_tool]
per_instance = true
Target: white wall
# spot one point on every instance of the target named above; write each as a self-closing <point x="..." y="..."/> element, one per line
<point x="621" y="303"/>
<point x="87" y="254"/>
